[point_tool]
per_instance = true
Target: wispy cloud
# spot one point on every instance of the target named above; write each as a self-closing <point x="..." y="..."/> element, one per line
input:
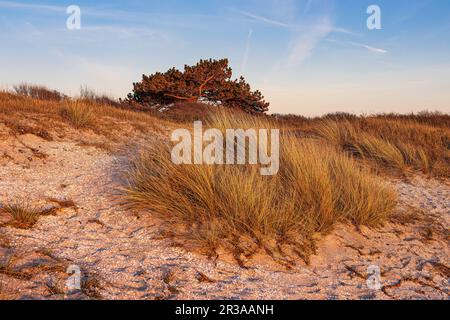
<point x="307" y="34"/>
<point x="90" y="32"/>
<point x="308" y="39"/>
<point x="265" y="20"/>
<point x="247" y="51"/>
<point x="360" y="45"/>
<point x="342" y="30"/>
<point x="29" y="6"/>
<point x="90" y="11"/>
<point x="293" y="27"/>
<point x="123" y="31"/>
<point x="370" y="48"/>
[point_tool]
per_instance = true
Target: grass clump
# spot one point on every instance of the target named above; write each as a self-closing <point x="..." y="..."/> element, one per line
<point x="79" y="114"/>
<point x="24" y="215"/>
<point x="236" y="208"/>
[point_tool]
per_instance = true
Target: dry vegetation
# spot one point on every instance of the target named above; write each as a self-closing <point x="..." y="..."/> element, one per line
<point x="392" y="144"/>
<point x="23" y="215"/>
<point x="79" y="114"/>
<point x="235" y="208"/>
<point x="327" y="171"/>
<point x="396" y="144"/>
<point x="29" y="113"/>
<point x="38" y="92"/>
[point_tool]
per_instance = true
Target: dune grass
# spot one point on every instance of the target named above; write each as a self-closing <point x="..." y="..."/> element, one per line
<point x="232" y="206"/>
<point x="326" y="169"/>
<point x="391" y="145"/>
<point x="101" y="116"/>
<point x="80" y="115"/>
<point x="24" y="215"/>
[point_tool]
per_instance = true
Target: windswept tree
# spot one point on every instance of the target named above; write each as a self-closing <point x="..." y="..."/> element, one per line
<point x="208" y="80"/>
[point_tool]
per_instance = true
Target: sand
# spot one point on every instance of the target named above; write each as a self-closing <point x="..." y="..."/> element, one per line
<point x="122" y="255"/>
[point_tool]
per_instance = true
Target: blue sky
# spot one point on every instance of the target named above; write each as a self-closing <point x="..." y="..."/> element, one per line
<point x="307" y="56"/>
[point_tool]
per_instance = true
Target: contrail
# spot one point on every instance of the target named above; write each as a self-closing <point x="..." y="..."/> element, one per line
<point x="247" y="51"/>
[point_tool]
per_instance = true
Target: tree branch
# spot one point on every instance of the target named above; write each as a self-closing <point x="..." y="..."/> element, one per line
<point x="203" y="85"/>
<point x="180" y="98"/>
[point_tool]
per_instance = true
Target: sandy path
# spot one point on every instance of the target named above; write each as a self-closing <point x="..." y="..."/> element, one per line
<point x="124" y="257"/>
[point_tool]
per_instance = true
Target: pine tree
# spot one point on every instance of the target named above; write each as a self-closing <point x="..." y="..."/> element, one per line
<point x="208" y="80"/>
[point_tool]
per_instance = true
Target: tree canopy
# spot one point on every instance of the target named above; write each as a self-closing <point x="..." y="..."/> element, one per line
<point x="208" y="80"/>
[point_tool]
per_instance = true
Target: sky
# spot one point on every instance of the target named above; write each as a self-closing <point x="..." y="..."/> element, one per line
<point x="308" y="57"/>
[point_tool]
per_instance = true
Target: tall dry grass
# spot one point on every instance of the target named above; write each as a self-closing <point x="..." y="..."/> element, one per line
<point x="79" y="114"/>
<point x="236" y="208"/>
<point x="391" y="145"/>
<point x="323" y="177"/>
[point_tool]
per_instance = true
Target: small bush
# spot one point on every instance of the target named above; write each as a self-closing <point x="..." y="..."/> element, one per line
<point x="91" y="96"/>
<point x="38" y="92"/>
